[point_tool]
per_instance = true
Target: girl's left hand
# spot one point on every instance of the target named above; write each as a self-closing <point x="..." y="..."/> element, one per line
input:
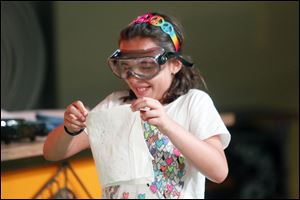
<point x="152" y="111"/>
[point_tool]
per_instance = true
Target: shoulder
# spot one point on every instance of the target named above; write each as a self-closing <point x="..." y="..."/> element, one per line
<point x="196" y="101"/>
<point x="196" y="96"/>
<point x="196" y="93"/>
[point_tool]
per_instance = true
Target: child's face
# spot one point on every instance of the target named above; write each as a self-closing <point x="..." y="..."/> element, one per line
<point x="158" y="85"/>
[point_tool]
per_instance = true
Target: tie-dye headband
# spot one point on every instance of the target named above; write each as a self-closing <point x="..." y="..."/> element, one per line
<point x="157" y="20"/>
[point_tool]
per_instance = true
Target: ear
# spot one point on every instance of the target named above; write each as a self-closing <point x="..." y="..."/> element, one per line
<point x="175" y="66"/>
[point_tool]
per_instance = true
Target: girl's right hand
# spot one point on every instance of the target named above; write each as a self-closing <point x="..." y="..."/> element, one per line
<point x="75" y="116"/>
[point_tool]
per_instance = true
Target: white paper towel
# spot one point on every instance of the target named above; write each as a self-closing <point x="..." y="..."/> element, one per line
<point x="118" y="146"/>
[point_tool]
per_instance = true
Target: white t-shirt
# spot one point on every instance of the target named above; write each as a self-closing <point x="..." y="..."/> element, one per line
<point x="175" y="177"/>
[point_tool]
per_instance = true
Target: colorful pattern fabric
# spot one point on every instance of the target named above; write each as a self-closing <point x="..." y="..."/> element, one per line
<point x="194" y="111"/>
<point x="168" y="164"/>
<point x="169" y="170"/>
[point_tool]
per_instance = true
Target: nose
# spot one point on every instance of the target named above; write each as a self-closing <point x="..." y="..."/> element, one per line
<point x="131" y="77"/>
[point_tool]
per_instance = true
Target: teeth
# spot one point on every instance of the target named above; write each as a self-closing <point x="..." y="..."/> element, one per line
<point x="141" y="89"/>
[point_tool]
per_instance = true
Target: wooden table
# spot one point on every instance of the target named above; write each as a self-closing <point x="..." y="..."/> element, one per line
<point x="26" y="148"/>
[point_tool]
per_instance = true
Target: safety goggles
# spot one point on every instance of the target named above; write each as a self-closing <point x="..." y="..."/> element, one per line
<point x="142" y="64"/>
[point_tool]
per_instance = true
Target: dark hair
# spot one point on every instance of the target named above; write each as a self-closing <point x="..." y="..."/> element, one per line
<point x="185" y="79"/>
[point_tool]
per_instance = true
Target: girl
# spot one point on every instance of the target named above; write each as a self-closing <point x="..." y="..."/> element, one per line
<point x="185" y="134"/>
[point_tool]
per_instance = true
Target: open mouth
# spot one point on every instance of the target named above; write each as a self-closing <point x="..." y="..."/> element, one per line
<point x="142" y="91"/>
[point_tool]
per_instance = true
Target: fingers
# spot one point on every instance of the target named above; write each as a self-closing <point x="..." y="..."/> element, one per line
<point x="74" y="125"/>
<point x="75" y="116"/>
<point x="151" y="110"/>
<point x="146" y="116"/>
<point x="145" y="104"/>
<point x="78" y="110"/>
<point x="80" y="107"/>
<point x="71" y="119"/>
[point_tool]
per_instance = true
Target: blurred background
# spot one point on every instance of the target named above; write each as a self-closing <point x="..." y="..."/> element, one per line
<point x="53" y="53"/>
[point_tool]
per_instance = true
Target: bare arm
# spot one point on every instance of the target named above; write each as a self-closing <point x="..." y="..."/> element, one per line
<point x="59" y="144"/>
<point x="207" y="156"/>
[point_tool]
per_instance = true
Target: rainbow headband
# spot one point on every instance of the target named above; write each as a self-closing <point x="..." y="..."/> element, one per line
<point x="157" y="20"/>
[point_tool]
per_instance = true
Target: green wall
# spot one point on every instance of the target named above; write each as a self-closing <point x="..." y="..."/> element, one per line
<point x="247" y="51"/>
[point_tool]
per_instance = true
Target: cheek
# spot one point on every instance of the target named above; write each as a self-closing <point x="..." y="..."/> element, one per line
<point x="163" y="80"/>
<point x="167" y="76"/>
<point x="129" y="85"/>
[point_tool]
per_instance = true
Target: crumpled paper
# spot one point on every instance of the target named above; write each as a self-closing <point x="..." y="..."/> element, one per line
<point x="118" y="146"/>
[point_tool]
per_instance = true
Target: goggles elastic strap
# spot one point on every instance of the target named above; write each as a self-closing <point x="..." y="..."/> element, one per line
<point x="177" y="55"/>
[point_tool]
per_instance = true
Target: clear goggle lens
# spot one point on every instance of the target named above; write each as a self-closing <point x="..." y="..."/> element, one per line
<point x="142" y="64"/>
<point x="143" y="68"/>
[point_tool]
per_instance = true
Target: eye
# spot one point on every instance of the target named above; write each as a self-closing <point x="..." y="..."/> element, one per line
<point x="124" y="64"/>
<point x="148" y="62"/>
<point x="148" y="69"/>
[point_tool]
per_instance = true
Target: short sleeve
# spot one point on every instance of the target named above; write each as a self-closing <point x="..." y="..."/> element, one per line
<point x="205" y="120"/>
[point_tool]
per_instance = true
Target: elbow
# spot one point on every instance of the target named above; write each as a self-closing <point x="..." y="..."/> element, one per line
<point x="221" y="176"/>
<point x="50" y="158"/>
<point x="220" y="179"/>
<point x="47" y="154"/>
